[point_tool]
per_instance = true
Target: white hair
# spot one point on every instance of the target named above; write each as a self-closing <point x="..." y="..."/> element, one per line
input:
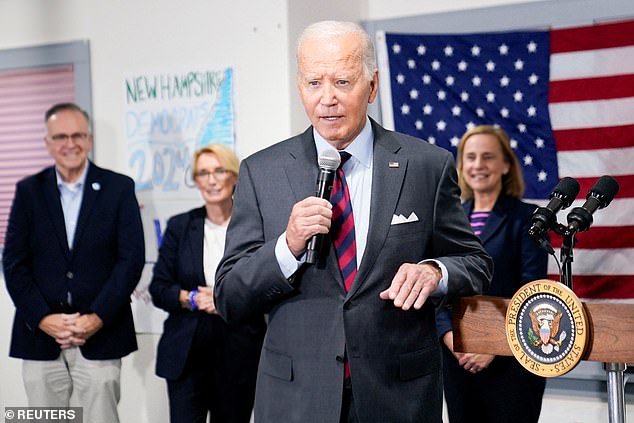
<point x="334" y="29"/>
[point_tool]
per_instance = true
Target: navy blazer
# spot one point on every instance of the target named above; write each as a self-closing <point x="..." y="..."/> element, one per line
<point x="516" y="257"/>
<point x="180" y="266"/>
<point x="98" y="275"/>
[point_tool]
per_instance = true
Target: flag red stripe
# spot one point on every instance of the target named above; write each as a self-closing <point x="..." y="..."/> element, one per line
<point x="603" y="237"/>
<point x="603" y="286"/>
<point x="617" y="34"/>
<point x="593" y="138"/>
<point x="626" y="185"/>
<point x="600" y="88"/>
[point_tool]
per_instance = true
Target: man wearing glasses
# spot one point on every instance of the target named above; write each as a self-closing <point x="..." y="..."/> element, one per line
<point x="73" y="254"/>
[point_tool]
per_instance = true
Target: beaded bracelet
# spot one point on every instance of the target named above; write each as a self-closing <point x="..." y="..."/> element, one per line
<point x="192" y="299"/>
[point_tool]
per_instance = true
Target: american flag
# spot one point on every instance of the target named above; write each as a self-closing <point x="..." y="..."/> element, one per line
<point x="566" y="99"/>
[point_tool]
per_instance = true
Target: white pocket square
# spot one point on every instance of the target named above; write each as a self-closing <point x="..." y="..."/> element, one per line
<point x="397" y="219"/>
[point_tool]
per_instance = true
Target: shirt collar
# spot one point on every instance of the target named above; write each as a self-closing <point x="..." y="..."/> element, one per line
<point x="361" y="148"/>
<point x="80" y="182"/>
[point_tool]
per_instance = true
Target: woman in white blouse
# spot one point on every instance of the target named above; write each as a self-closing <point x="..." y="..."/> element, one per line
<point x="210" y="366"/>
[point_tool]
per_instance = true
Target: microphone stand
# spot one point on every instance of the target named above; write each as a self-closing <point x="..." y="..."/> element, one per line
<point x="614" y="371"/>
<point x="565" y="253"/>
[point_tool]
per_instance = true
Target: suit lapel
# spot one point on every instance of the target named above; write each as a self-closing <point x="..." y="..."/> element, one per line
<point x="92" y="188"/>
<point x="302" y="169"/>
<point x="495" y="220"/>
<point x="387" y="177"/>
<point x="51" y="193"/>
<point x="195" y="237"/>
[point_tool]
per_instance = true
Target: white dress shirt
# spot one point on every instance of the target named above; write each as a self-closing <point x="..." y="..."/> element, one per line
<point x="358" y="173"/>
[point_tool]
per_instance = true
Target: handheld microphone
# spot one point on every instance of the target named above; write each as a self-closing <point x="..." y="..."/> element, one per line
<point x="545" y="218"/>
<point x="328" y="163"/>
<point x="599" y="196"/>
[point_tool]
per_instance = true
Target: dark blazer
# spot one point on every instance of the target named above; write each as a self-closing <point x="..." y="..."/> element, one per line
<point x="517" y="258"/>
<point x="504" y="391"/>
<point x="180" y="266"/>
<point x="99" y="273"/>
<point x="394" y="355"/>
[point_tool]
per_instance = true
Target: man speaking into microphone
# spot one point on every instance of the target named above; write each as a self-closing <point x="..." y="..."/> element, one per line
<point x="351" y="338"/>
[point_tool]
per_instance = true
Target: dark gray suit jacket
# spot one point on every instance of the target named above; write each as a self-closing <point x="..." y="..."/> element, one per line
<point x="394" y="355"/>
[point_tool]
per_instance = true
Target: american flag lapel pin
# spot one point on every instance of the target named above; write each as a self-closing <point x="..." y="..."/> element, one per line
<point x="392" y="164"/>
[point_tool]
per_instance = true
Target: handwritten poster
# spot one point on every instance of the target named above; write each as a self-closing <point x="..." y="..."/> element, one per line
<point x="168" y="115"/>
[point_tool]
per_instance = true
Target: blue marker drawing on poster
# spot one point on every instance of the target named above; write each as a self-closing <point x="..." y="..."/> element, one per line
<point x="218" y="125"/>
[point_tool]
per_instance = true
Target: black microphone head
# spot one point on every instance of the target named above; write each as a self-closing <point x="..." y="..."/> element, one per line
<point x="567" y="190"/>
<point x="329" y="159"/>
<point x="604" y="190"/>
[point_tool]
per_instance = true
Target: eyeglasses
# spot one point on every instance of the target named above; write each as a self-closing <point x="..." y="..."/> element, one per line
<point x="75" y="137"/>
<point x="219" y="174"/>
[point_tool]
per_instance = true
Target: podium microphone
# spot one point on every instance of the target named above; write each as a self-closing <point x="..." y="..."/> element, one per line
<point x="544" y="218"/>
<point x="328" y="163"/>
<point x="599" y="196"/>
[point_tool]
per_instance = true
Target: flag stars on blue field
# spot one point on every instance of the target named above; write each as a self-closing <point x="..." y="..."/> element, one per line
<point x="518" y="96"/>
<point x="445" y="84"/>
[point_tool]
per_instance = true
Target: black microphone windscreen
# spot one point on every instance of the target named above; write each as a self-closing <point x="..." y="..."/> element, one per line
<point x="567" y="188"/>
<point x="329" y="159"/>
<point x="605" y="188"/>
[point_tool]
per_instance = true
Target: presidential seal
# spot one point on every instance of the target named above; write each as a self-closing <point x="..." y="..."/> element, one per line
<point x="546" y="328"/>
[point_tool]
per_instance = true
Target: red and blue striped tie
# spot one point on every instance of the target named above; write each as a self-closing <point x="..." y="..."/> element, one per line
<point x="343" y="226"/>
<point x="343" y="232"/>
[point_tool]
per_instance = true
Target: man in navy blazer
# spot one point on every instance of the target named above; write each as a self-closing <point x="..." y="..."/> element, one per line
<point x="370" y="353"/>
<point x="74" y="252"/>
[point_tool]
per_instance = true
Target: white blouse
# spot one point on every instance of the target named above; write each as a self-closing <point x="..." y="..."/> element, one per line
<point x="213" y="249"/>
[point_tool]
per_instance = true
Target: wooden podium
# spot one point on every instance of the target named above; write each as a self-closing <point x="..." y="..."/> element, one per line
<point x="479" y="327"/>
<point x="478" y="324"/>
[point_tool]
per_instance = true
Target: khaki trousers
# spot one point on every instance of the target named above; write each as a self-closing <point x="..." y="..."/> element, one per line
<point x="73" y="381"/>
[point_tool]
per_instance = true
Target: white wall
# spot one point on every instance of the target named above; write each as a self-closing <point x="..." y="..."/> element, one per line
<point x="145" y="34"/>
<point x="258" y="39"/>
<point x="385" y="9"/>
